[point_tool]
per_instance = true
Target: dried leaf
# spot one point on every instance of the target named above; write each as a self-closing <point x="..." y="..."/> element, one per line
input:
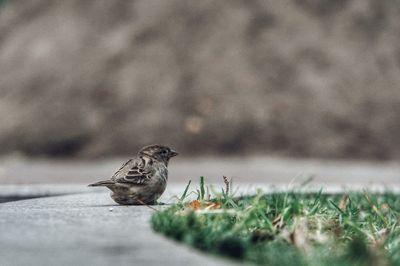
<point x="343" y="202"/>
<point x="226" y="181"/>
<point x="385" y="207"/>
<point x="212" y="206"/>
<point x="278" y="222"/>
<point x="206" y="205"/>
<point x="298" y="236"/>
<point x="195" y="204"/>
<point x="381" y="236"/>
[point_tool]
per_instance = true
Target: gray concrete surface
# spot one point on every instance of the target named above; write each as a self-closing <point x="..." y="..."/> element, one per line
<point x="20" y="192"/>
<point x="269" y="170"/>
<point x="80" y="229"/>
<point x="86" y="229"/>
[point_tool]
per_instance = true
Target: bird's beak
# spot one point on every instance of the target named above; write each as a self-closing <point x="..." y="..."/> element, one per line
<point x="173" y="153"/>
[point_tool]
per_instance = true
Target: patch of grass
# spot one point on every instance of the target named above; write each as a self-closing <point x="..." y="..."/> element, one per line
<point x="290" y="228"/>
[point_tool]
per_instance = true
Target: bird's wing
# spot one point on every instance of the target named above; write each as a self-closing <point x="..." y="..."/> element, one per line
<point x="135" y="171"/>
<point x="123" y="169"/>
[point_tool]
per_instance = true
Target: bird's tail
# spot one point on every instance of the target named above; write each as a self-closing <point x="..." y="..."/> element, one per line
<point x="102" y="183"/>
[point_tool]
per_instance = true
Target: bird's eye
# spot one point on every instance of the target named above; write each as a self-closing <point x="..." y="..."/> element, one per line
<point x="164" y="152"/>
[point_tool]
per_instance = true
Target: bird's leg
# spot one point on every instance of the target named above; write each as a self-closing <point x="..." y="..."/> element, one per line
<point x="141" y="202"/>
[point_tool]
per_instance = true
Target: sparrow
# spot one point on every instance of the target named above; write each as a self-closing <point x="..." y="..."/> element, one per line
<point x="141" y="180"/>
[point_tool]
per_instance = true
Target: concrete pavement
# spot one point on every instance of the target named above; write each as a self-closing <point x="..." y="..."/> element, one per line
<point x="253" y="169"/>
<point x="87" y="229"/>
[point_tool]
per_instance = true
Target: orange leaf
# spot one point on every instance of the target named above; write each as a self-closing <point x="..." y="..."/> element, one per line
<point x="195" y="204"/>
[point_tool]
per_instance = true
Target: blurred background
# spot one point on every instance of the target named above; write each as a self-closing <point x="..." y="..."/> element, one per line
<point x="98" y="79"/>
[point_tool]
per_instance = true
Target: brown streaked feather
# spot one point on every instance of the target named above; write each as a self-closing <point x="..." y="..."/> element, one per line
<point x="122" y="169"/>
<point x="135" y="171"/>
<point x="143" y="179"/>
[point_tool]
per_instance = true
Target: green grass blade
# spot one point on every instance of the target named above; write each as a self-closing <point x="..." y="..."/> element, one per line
<point x="336" y="206"/>
<point x="185" y="191"/>
<point x="202" y="188"/>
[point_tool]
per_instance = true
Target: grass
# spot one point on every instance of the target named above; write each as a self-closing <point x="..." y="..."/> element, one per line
<point x="292" y="228"/>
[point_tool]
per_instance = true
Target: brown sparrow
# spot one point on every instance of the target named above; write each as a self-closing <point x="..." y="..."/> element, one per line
<point x="143" y="179"/>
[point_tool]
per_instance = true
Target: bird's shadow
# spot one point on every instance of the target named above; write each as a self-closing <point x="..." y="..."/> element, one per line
<point x="120" y="205"/>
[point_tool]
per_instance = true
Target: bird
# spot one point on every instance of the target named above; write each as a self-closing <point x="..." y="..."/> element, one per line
<point x="142" y="179"/>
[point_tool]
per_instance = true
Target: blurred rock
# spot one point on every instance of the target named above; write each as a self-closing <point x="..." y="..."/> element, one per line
<point x="302" y="77"/>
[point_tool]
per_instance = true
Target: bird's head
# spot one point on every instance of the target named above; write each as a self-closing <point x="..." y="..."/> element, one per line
<point x="158" y="152"/>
